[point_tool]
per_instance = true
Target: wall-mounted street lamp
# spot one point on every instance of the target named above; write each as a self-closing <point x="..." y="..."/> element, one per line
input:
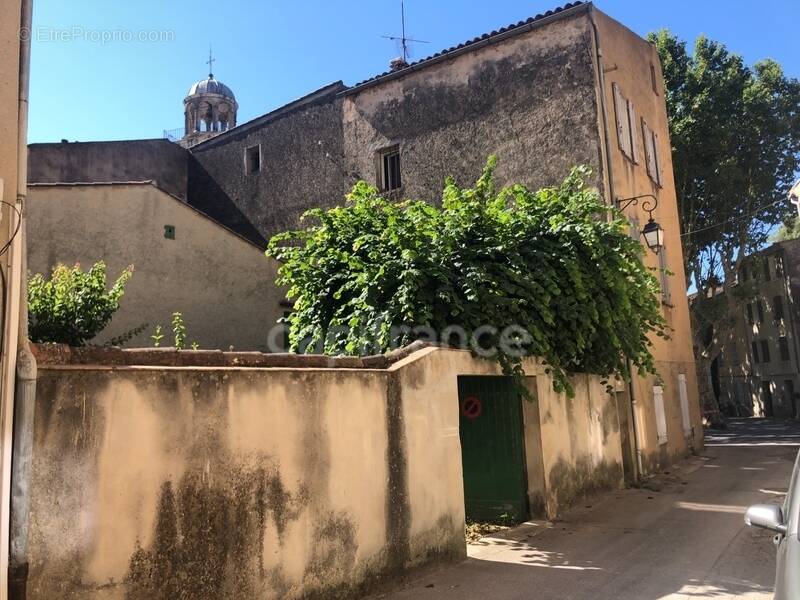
<point x="652" y="232"/>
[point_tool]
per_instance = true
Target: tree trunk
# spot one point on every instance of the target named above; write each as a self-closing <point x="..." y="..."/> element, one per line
<point x="708" y="401"/>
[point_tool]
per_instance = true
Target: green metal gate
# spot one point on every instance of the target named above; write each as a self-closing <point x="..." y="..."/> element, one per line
<point x="492" y="449"/>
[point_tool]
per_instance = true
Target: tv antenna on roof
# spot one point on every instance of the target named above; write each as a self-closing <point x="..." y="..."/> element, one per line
<point x="402" y="39"/>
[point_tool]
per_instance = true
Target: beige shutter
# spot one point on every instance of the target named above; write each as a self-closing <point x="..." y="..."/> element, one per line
<point x="656" y="160"/>
<point x="661" y="415"/>
<point x="623" y="127"/>
<point x="633" y="129"/>
<point x="648" y="150"/>
<point x="687" y="422"/>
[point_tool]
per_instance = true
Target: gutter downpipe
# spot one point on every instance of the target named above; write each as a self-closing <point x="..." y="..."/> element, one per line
<point x="610" y="187"/>
<point x="26" y="371"/>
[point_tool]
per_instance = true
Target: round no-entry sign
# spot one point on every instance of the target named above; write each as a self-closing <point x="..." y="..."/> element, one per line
<point x="471" y="407"/>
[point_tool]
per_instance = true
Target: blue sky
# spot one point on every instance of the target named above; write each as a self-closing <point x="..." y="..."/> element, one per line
<point x="84" y="88"/>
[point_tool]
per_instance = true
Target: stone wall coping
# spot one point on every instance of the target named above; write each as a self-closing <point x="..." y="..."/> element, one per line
<point x="62" y="355"/>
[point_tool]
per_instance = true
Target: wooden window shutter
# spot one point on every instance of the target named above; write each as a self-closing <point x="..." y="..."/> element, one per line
<point x="623" y="127"/>
<point x="648" y="150"/>
<point x="633" y="130"/>
<point x="656" y="160"/>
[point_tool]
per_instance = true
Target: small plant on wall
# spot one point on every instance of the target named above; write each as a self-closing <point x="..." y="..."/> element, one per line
<point x="72" y="306"/>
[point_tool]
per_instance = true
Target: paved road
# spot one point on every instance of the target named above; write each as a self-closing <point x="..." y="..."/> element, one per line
<point x="686" y="540"/>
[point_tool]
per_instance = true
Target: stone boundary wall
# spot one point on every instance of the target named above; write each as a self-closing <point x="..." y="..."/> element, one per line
<point x="165" y="473"/>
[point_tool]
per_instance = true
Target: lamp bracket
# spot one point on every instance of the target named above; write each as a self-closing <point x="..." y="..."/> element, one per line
<point x="648" y="205"/>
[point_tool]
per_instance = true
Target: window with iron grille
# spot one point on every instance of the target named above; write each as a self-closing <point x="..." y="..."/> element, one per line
<point x="390" y="169"/>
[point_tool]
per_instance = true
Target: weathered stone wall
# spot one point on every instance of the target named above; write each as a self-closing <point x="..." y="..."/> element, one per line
<point x="302" y="163"/>
<point x="131" y="160"/>
<point x="253" y="482"/>
<point x="530" y="100"/>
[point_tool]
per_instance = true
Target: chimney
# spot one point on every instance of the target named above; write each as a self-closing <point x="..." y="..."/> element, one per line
<point x="398" y="64"/>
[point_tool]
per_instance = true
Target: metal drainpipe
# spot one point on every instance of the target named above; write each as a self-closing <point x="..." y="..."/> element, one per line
<point x="610" y="186"/>
<point x="25" y="386"/>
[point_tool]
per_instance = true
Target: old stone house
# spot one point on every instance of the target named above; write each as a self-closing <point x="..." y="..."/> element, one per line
<point x="570" y="86"/>
<point x="757" y="371"/>
<point x="149" y="204"/>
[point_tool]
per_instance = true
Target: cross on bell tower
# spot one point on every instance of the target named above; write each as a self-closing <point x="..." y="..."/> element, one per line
<point x="210" y="63"/>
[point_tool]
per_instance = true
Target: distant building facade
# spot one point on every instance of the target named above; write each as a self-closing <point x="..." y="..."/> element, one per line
<point x="758" y="369"/>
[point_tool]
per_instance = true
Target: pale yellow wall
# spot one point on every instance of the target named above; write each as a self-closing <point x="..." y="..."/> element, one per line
<point x="9" y="95"/>
<point x="626" y="60"/>
<point x="223" y="285"/>
<point x="311" y="478"/>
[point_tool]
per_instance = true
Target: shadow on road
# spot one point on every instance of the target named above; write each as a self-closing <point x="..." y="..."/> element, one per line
<point x="685" y="540"/>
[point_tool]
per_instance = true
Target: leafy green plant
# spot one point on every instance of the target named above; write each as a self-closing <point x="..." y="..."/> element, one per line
<point x="195" y="346"/>
<point x="556" y="266"/>
<point x="157" y="336"/>
<point x="72" y="306"/>
<point x="179" y="330"/>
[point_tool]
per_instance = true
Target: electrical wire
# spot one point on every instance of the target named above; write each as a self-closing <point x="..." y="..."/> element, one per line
<point x="7" y="245"/>
<point x="747" y="216"/>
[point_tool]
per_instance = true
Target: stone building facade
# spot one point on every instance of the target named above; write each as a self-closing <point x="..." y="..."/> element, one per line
<point x="567" y="87"/>
<point x="758" y="369"/>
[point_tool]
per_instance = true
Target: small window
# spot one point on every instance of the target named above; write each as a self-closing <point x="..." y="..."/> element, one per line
<point x="252" y="159"/>
<point x="651" y="156"/>
<point x="169" y="232"/>
<point x="750" y="314"/>
<point x="760" y="308"/>
<point x="767" y="274"/>
<point x="783" y="344"/>
<point x="754" y="347"/>
<point x="653" y="79"/>
<point x="777" y="308"/>
<point x="390" y="169"/>
<point x="765" y="351"/>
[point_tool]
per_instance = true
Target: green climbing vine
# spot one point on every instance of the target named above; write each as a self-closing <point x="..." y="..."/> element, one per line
<point x="509" y="273"/>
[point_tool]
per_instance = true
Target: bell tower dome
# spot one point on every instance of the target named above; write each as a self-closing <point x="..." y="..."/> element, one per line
<point x="209" y="109"/>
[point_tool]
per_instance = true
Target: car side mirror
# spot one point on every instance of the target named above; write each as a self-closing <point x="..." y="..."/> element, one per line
<point x="766" y="516"/>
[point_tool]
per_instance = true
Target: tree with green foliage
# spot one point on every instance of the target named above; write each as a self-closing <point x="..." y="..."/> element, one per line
<point x="735" y="133"/>
<point x="551" y="274"/>
<point x="73" y="306"/>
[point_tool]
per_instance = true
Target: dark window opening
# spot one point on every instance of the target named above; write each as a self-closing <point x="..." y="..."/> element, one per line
<point x="778" y="266"/>
<point x="783" y="343"/>
<point x="760" y="308"/>
<point x="390" y="170"/>
<point x="743" y="273"/>
<point x="777" y="307"/>
<point x="765" y="351"/>
<point x="750" y="314"/>
<point x="253" y="159"/>
<point x="767" y="276"/>
<point x="754" y="347"/>
<point x="653" y="79"/>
